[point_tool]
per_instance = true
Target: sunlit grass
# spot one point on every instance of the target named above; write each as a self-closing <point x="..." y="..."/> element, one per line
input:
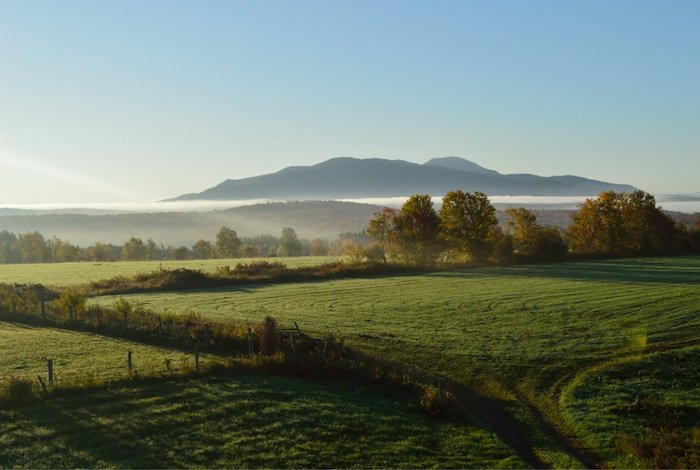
<point x="24" y="351"/>
<point x="67" y="274"/>
<point x="514" y="321"/>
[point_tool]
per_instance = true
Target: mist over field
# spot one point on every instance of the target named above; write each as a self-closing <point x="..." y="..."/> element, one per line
<point x="688" y="203"/>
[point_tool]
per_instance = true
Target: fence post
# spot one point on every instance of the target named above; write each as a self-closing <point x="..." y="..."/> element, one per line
<point x="43" y="385"/>
<point x="128" y="361"/>
<point x="250" y="343"/>
<point x="196" y="357"/>
<point x="43" y="310"/>
<point x="50" y="367"/>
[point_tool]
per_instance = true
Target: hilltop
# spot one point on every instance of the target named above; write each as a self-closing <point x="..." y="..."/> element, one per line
<point x="346" y="177"/>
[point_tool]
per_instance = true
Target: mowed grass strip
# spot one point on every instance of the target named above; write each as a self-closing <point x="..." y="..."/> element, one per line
<point x="70" y="274"/>
<point x="654" y="399"/>
<point x="24" y="351"/>
<point x="245" y="421"/>
<point x="537" y="323"/>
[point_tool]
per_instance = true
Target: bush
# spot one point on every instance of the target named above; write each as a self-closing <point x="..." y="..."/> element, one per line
<point x="269" y="337"/>
<point x="72" y="303"/>
<point x="259" y="268"/>
<point x="435" y="401"/>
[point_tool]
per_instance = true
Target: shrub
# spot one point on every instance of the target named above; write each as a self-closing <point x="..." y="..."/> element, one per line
<point x="259" y="268"/>
<point x="269" y="337"/>
<point x="435" y="401"/>
<point x="72" y="303"/>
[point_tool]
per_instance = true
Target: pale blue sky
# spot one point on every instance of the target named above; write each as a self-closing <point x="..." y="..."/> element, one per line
<point x="144" y="100"/>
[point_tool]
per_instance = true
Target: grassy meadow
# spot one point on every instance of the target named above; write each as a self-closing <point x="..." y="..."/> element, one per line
<point x="516" y="321"/>
<point x="245" y="421"/>
<point x="70" y="274"/>
<point x="25" y="349"/>
<point x="646" y="407"/>
<point x="566" y="365"/>
<point x="519" y="334"/>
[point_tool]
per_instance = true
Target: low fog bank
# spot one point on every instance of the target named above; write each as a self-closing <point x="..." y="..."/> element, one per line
<point x="689" y="203"/>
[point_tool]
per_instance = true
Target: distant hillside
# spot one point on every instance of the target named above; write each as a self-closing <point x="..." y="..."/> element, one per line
<point x="310" y="219"/>
<point x="375" y="177"/>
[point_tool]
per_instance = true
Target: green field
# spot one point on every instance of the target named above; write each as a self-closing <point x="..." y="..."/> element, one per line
<point x="518" y="320"/>
<point x="25" y="349"/>
<point x="655" y="398"/>
<point x="245" y="421"/>
<point x="517" y="333"/>
<point x="69" y="274"/>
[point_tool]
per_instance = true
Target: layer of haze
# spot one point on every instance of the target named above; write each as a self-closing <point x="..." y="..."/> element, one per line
<point x="139" y="101"/>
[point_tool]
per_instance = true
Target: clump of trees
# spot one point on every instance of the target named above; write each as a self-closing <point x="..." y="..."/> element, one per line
<point x="466" y="229"/>
<point x="624" y="224"/>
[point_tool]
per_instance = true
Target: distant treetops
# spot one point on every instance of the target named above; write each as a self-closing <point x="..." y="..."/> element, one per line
<point x="466" y="229"/>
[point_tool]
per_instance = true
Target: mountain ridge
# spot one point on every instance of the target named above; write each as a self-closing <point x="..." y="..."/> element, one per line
<point x="348" y="177"/>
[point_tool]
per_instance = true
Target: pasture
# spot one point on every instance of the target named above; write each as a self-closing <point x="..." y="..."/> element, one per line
<point x="245" y="421"/>
<point x="643" y="406"/>
<point x="520" y="334"/>
<point x="70" y="274"/>
<point x="515" y="321"/>
<point x="24" y="351"/>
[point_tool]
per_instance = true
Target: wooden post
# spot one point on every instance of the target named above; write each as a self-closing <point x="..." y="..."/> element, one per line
<point x="99" y="315"/>
<point x="43" y="310"/>
<point x="160" y="327"/>
<point x="43" y="385"/>
<point x="128" y="362"/>
<point x="250" y="342"/>
<point x="196" y="357"/>
<point x="50" y="367"/>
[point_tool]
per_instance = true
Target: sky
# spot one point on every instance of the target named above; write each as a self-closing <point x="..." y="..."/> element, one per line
<point x="136" y="101"/>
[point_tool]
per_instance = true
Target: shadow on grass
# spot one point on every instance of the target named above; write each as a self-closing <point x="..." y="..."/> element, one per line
<point x="667" y="270"/>
<point x="103" y="428"/>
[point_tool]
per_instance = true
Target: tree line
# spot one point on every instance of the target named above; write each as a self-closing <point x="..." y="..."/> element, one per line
<point x="33" y="247"/>
<point x="466" y="229"/>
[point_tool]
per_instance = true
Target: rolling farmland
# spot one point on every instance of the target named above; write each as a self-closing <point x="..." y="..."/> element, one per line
<point x="68" y="274"/>
<point x="505" y="318"/>
<point x="518" y="333"/>
<point x="557" y="365"/>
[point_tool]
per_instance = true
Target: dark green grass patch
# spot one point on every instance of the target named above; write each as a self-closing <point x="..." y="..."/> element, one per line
<point x="246" y="421"/>
<point x="641" y="411"/>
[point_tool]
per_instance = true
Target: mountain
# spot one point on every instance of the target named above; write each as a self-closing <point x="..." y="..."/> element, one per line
<point x="347" y="178"/>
